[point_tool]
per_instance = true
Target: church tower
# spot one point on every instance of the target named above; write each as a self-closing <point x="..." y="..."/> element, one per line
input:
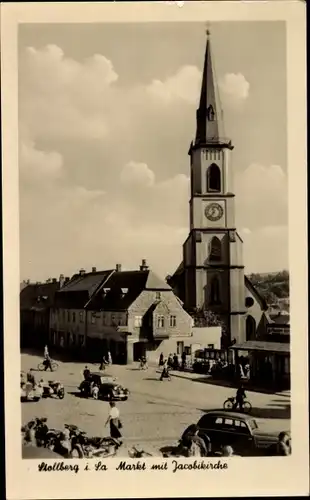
<point x="212" y="253"/>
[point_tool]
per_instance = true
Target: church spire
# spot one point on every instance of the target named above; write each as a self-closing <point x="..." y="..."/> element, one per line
<point x="210" y="123"/>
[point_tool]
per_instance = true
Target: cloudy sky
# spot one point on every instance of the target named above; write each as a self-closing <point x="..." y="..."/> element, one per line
<point x="106" y="116"/>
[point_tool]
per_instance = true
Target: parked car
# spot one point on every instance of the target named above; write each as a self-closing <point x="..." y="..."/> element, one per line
<point x="109" y="389"/>
<point x="237" y="430"/>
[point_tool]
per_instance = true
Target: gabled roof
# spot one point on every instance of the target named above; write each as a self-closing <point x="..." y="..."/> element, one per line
<point x="88" y="282"/>
<point x="38" y="295"/>
<point x="111" y="296"/>
<point x="262" y="302"/>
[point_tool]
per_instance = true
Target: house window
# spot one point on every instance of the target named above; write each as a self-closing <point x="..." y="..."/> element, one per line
<point x="138" y="321"/>
<point x="113" y="319"/>
<point x="68" y="316"/>
<point x="103" y="319"/>
<point x="93" y="319"/>
<point x="215" y="291"/>
<point x="160" y="321"/>
<point x="180" y="348"/>
<point x="157" y="296"/>
<point x="215" y="250"/>
<point x="73" y="317"/>
<point x="213" y="178"/>
<point x="81" y="340"/>
<point x="173" y="321"/>
<point x="81" y="316"/>
<point x="210" y="346"/>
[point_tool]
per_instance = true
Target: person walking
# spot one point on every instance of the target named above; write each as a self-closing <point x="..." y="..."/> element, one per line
<point x="46" y="353"/>
<point x="115" y="423"/>
<point x="161" y="359"/>
<point x="109" y="358"/>
<point x="183" y="360"/>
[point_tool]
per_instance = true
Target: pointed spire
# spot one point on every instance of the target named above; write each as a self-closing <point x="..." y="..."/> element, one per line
<point x="210" y="123"/>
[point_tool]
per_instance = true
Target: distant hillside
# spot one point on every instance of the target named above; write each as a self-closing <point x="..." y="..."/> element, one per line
<point x="274" y="287"/>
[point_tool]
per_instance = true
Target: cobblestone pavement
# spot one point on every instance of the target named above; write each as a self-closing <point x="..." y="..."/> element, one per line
<point x="156" y="413"/>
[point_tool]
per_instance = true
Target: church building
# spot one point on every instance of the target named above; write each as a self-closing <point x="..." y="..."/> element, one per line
<point x="211" y="276"/>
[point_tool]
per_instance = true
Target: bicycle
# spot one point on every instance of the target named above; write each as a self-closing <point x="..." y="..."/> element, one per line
<point x="231" y="404"/>
<point x="54" y="365"/>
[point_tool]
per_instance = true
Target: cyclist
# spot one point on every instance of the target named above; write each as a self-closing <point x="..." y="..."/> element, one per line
<point x="240" y="397"/>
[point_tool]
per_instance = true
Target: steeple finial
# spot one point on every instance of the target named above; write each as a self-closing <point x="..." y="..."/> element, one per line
<point x="210" y="126"/>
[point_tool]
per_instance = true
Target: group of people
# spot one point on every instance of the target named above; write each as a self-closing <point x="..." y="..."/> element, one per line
<point x="173" y="361"/>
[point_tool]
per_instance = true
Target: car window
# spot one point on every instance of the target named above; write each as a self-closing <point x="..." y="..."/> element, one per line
<point x="253" y="425"/>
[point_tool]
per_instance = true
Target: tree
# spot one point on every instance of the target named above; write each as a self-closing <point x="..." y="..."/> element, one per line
<point x="205" y="317"/>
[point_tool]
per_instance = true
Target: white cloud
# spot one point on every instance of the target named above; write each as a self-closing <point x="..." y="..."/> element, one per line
<point x="183" y="85"/>
<point x="137" y="174"/>
<point x="260" y="255"/>
<point x="35" y="164"/>
<point x="235" y="88"/>
<point x="63" y="98"/>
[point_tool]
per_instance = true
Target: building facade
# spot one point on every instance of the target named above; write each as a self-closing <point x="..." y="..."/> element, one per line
<point x="129" y="313"/>
<point x="211" y="276"/>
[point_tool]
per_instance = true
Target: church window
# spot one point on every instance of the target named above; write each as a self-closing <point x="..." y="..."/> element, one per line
<point x="215" y="291"/>
<point x="210" y="114"/>
<point x="213" y="178"/>
<point x="250" y="328"/>
<point x="215" y="250"/>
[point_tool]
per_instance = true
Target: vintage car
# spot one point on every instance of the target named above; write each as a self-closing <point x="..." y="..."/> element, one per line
<point x="109" y="389"/>
<point x="240" y="431"/>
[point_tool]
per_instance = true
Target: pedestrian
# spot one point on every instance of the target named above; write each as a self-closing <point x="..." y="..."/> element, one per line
<point x="227" y="451"/>
<point x="240" y="397"/>
<point x="86" y="373"/>
<point x="103" y="363"/>
<point x="195" y="445"/>
<point x="161" y="359"/>
<point x="183" y="360"/>
<point x="95" y="391"/>
<point x="283" y="447"/>
<point x="48" y="363"/>
<point x="175" y="362"/>
<point x="115" y="423"/>
<point x="46" y="353"/>
<point x="109" y="358"/>
<point x="31" y="378"/>
<point x="170" y="361"/>
<point x="165" y="371"/>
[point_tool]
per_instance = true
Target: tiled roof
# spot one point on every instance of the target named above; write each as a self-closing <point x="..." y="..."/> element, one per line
<point x="38" y="295"/>
<point x="122" y="289"/>
<point x="88" y="282"/>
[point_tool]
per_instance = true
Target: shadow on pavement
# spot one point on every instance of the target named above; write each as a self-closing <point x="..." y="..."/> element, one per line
<point x="152" y="378"/>
<point x="207" y="379"/>
<point x="270" y="411"/>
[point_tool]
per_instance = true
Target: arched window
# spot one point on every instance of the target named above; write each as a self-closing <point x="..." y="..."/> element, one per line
<point x="215" y="254"/>
<point x="213" y="178"/>
<point x="215" y="291"/>
<point x="250" y="327"/>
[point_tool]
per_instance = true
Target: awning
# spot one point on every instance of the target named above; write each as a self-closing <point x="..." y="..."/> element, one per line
<point x="259" y="345"/>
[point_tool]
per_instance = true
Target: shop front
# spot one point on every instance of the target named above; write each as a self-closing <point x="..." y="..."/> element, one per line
<point x="269" y="362"/>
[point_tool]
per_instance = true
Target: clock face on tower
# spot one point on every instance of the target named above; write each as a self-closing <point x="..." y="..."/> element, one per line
<point x="214" y="211"/>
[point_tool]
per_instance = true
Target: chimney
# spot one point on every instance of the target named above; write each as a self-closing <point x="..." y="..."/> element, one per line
<point x="28" y="282"/>
<point x="48" y="280"/>
<point x="67" y="279"/>
<point x="61" y="281"/>
<point x="118" y="268"/>
<point x="54" y="280"/>
<point x="82" y="272"/>
<point x="93" y="269"/>
<point x="144" y="266"/>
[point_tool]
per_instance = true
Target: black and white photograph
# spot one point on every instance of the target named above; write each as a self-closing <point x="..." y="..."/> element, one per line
<point x="154" y="263"/>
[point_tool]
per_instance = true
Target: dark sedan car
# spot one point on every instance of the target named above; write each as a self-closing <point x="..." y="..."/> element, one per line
<point x="108" y="389"/>
<point x="237" y="430"/>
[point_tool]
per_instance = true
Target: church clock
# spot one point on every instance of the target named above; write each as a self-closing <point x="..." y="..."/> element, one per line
<point x="214" y="212"/>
